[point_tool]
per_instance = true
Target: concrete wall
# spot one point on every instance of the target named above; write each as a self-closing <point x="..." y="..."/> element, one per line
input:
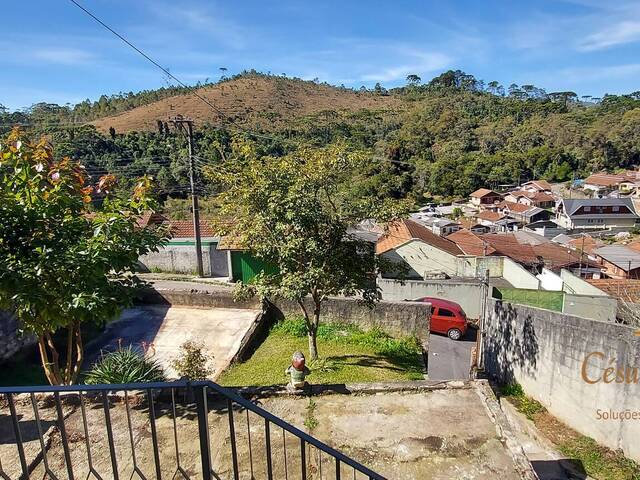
<point x="395" y="318"/>
<point x="11" y="341"/>
<point x="594" y="307"/>
<point x="180" y="257"/>
<point x="549" y="280"/>
<point x="517" y="276"/>
<point x="575" y="284"/>
<point x="545" y="352"/>
<point x="467" y="294"/>
<point x="475" y="267"/>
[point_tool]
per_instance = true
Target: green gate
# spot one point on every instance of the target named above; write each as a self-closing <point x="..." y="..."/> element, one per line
<point x="245" y="266"/>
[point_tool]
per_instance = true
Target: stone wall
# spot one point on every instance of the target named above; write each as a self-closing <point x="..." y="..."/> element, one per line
<point x="11" y="342"/>
<point x="549" y="353"/>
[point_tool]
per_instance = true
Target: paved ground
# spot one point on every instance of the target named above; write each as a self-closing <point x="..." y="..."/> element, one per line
<point x="438" y="435"/>
<point x="166" y="328"/>
<point x="449" y="359"/>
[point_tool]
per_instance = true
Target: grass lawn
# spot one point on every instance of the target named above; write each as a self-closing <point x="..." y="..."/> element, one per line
<point x="347" y="353"/>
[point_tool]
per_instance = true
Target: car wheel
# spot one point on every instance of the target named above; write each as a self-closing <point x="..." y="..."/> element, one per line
<point x="454" y="334"/>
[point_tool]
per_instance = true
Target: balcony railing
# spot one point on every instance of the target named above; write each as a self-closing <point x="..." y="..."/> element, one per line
<point x="156" y="430"/>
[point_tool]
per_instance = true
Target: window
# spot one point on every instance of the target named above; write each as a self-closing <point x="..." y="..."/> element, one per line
<point x="615" y="209"/>
<point x="443" y="312"/>
<point x="587" y="209"/>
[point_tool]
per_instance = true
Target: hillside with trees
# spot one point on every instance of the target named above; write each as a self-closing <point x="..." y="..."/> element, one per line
<point x="441" y="138"/>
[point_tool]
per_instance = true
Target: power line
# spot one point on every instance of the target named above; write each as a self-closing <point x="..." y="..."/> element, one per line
<point x="170" y="75"/>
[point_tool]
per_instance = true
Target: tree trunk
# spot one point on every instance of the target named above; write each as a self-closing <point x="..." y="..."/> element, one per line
<point x="50" y="367"/>
<point x="312" y="328"/>
<point x="313" y="345"/>
<point x="51" y="359"/>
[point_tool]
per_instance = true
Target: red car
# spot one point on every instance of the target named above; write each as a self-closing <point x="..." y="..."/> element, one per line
<point x="447" y="317"/>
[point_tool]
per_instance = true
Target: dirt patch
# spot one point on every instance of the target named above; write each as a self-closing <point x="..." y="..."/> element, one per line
<point x="440" y="434"/>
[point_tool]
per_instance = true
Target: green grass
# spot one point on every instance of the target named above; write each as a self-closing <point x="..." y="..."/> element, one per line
<point x="526" y="405"/>
<point x="599" y="462"/>
<point x="347" y="355"/>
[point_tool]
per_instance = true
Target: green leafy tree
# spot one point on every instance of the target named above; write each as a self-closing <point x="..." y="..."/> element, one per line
<point x="293" y="212"/>
<point x="413" y="79"/>
<point x="62" y="261"/>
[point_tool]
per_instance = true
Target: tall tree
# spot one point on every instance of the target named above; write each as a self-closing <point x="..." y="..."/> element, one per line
<point x="413" y="79"/>
<point x="63" y="262"/>
<point x="294" y="213"/>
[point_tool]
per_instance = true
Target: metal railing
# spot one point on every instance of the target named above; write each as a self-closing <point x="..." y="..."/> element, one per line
<point x="156" y="430"/>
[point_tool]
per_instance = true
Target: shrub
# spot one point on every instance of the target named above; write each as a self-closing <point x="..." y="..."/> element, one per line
<point x="193" y="362"/>
<point x="125" y="365"/>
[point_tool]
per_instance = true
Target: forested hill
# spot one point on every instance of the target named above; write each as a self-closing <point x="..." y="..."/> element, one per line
<point x="444" y="137"/>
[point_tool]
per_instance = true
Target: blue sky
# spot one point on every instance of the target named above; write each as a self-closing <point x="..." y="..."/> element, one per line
<point x="51" y="51"/>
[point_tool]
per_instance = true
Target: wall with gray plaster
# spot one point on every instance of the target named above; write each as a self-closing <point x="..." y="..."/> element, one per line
<point x="11" y="341"/>
<point x="395" y="318"/>
<point x="467" y="294"/>
<point x="545" y="351"/>
<point x="182" y="259"/>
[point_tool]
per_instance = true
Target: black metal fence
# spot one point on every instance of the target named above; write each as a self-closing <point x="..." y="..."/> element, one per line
<point x="156" y="430"/>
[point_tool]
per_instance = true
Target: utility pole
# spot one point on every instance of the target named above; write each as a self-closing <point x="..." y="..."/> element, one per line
<point x="179" y="121"/>
<point x="484" y="303"/>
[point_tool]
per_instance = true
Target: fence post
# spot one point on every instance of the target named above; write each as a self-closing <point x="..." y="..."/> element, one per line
<point x="203" y="431"/>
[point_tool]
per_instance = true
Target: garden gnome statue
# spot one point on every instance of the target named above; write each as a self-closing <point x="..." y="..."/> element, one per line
<point x="297" y="371"/>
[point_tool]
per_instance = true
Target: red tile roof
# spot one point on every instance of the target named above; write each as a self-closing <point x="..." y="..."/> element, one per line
<point x="539" y="184"/>
<point x="604" y="179"/>
<point x="585" y="243"/>
<point x="483" y="192"/>
<point x="401" y="231"/>
<point x="470" y="243"/>
<point x="489" y="216"/>
<point x="507" y="244"/>
<point x="184" y="228"/>
<point x="515" y="207"/>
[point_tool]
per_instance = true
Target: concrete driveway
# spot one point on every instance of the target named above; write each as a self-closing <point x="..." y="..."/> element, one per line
<point x="165" y="328"/>
<point x="450" y="359"/>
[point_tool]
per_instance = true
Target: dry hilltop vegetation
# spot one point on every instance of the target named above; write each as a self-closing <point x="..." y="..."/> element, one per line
<point x="261" y="101"/>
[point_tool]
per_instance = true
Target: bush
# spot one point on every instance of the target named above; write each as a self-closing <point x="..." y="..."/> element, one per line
<point x="125" y="365"/>
<point x="193" y="362"/>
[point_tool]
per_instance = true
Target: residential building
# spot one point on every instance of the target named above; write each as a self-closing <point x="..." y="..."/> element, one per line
<point x="605" y="183"/>
<point x="418" y="252"/>
<point x="597" y="213"/>
<point x="547" y="228"/>
<point x="602" y="183"/>
<point x="473" y="225"/>
<point x="522" y="212"/>
<point x="619" y="261"/>
<point x="535" y="252"/>
<point x="533" y="199"/>
<point x="439" y="226"/>
<point x="489" y="218"/>
<point x="537" y="186"/>
<point x="484" y="197"/>
<point x="471" y="243"/>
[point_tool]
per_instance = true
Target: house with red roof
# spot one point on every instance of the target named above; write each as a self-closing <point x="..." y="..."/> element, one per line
<point x="483" y="197"/>
<point x="418" y="251"/>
